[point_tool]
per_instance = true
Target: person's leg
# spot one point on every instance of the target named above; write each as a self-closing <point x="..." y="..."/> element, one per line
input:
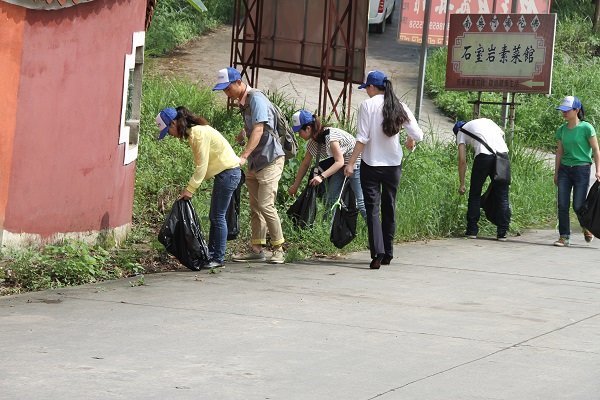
<point x="334" y="187"/>
<point x="501" y="191"/>
<point x="483" y="166"/>
<point x="268" y="183"/>
<point x="390" y="179"/>
<point x="224" y="185"/>
<point x="371" y="188"/>
<point x="564" y="201"/>
<point x="355" y="185"/>
<point x="257" y="222"/>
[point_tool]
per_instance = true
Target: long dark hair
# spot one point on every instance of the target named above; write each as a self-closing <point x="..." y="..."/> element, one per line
<point x="318" y="127"/>
<point x="394" y="114"/>
<point x="581" y="113"/>
<point x="186" y="120"/>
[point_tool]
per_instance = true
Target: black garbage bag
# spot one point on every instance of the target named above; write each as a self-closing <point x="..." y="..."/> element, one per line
<point x="589" y="213"/>
<point x="304" y="210"/>
<point x="343" y="226"/>
<point x="181" y="236"/>
<point x="233" y="211"/>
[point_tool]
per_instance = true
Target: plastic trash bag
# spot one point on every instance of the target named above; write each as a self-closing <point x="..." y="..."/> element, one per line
<point x="232" y="216"/>
<point x="490" y="205"/>
<point x="343" y="226"/>
<point x="589" y="213"/>
<point x="304" y="210"/>
<point x="181" y="236"/>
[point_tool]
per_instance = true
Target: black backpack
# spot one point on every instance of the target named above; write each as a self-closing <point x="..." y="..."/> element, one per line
<point x="284" y="132"/>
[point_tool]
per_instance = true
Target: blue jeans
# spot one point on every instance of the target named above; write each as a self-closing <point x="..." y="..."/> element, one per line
<point x="224" y="185"/>
<point x="483" y="166"/>
<point x="334" y="187"/>
<point x="576" y="178"/>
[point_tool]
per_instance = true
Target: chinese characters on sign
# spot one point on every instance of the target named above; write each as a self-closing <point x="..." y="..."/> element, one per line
<point x="412" y="15"/>
<point x="501" y="52"/>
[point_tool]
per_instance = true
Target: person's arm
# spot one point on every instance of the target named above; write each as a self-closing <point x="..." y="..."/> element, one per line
<point x="253" y="140"/>
<point x="414" y="131"/>
<point x="596" y="154"/>
<point x="304" y="166"/>
<point x="462" y="167"/>
<point x="358" y="149"/>
<point x="338" y="163"/>
<point x="557" y="158"/>
<point x="201" y="151"/>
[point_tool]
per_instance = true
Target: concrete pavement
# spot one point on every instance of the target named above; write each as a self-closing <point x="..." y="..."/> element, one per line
<point x="449" y="319"/>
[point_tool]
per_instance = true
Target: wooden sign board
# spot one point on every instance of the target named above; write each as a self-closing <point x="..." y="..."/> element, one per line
<point x="501" y="52"/>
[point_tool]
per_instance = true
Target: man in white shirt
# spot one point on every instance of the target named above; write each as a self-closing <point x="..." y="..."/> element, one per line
<point x="483" y="166"/>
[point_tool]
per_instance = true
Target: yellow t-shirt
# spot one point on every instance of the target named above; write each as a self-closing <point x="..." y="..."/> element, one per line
<point x="212" y="154"/>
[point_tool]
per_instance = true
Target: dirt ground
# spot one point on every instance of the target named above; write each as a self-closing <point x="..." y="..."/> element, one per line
<point x="200" y="60"/>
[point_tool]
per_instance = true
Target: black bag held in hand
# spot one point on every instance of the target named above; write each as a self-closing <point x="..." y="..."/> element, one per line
<point x="304" y="210"/>
<point x="232" y="216"/>
<point x="490" y="205"/>
<point x="589" y="213"/>
<point x="502" y="163"/>
<point x="181" y="236"/>
<point x="343" y="226"/>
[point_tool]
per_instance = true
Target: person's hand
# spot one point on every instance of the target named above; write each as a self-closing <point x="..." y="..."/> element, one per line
<point x="242" y="161"/>
<point x="185" y="194"/>
<point x="462" y="189"/>
<point x="410" y="143"/>
<point x="348" y="170"/>
<point x="293" y="190"/>
<point x="598" y="176"/>
<point x="241" y="137"/>
<point x="316" y="181"/>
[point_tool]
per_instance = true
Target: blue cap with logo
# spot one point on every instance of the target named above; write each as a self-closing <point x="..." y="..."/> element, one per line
<point x="569" y="103"/>
<point x="225" y="77"/>
<point x="375" y="78"/>
<point x="163" y="121"/>
<point x="301" y="118"/>
<point x="457" y="126"/>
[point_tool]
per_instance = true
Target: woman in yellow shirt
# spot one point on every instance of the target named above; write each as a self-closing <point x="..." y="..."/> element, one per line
<point x="213" y="157"/>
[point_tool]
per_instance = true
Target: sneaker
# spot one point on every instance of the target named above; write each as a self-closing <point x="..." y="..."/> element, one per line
<point x="501" y="237"/>
<point x="562" y="242"/>
<point x="214" y="264"/>
<point x="471" y="236"/>
<point x="587" y="235"/>
<point x="278" y="257"/>
<point x="250" y="257"/>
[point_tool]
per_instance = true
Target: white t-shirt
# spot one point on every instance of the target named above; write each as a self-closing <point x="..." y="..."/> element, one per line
<point x="487" y="130"/>
<point x="381" y="150"/>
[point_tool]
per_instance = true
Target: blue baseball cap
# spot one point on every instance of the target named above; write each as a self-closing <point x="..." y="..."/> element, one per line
<point x="301" y="118"/>
<point x="375" y="78"/>
<point x="457" y="126"/>
<point x="163" y="121"/>
<point x="225" y="77"/>
<point x="569" y="103"/>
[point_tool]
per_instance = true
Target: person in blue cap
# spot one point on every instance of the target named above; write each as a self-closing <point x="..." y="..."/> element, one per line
<point x="326" y="143"/>
<point x="483" y="166"/>
<point x="265" y="158"/>
<point x="213" y="158"/>
<point x="576" y="146"/>
<point x="380" y="119"/>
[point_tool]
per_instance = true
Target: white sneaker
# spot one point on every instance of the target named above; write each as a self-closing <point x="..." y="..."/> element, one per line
<point x="278" y="257"/>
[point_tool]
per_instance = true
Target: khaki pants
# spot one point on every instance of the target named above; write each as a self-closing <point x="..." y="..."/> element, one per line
<point x="262" y="190"/>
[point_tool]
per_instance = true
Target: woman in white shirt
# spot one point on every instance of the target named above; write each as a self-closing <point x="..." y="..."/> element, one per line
<point x="380" y="119"/>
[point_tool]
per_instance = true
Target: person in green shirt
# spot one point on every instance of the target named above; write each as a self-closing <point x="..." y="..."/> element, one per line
<point x="577" y="146"/>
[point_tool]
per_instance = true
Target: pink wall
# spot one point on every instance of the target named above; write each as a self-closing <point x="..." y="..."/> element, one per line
<point x="68" y="173"/>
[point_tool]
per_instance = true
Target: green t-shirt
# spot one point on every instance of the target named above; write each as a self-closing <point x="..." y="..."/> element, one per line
<point x="576" y="143"/>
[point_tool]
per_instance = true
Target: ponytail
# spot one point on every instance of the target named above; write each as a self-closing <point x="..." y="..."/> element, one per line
<point x="394" y="114"/>
<point x="186" y="120"/>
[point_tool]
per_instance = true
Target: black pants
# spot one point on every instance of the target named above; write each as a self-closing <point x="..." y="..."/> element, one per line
<point x="483" y="166"/>
<point x="379" y="186"/>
